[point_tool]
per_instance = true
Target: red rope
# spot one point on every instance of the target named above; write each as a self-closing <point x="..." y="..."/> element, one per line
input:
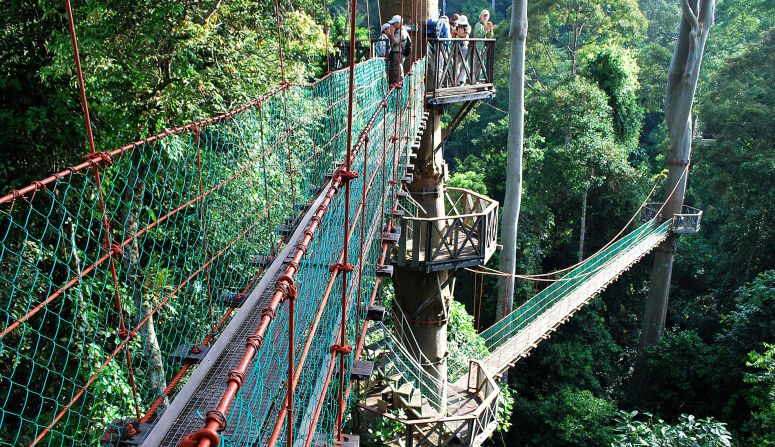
<point x="122" y="332"/>
<point x="279" y="38"/>
<point x="348" y="167"/>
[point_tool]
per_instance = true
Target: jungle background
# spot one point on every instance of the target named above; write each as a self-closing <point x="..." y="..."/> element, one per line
<point x="597" y="67"/>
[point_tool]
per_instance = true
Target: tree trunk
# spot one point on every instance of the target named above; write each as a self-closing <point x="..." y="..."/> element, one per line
<point x="697" y="18"/>
<point x="143" y="305"/>
<point x="514" y="147"/>
<point x="424" y="298"/>
<point x="583" y="227"/>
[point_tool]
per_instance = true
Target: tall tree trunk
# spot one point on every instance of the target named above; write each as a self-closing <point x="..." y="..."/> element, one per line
<point x="143" y="305"/>
<point x="425" y="297"/>
<point x="697" y="18"/>
<point x="514" y="147"/>
<point x="583" y="229"/>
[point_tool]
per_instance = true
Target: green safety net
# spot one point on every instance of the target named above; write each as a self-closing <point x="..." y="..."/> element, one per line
<point x="501" y="332"/>
<point x="379" y="158"/>
<point x="112" y="270"/>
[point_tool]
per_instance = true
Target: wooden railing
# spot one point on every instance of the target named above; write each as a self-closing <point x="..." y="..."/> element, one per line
<point x="456" y="63"/>
<point x="467" y="429"/>
<point x="685" y="222"/>
<point x="465" y="237"/>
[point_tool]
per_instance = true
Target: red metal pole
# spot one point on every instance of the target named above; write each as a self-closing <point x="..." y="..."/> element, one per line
<point x="348" y="167"/>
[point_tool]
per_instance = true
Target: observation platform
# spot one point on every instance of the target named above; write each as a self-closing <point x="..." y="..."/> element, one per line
<point x="460" y="70"/>
<point x="465" y="237"/>
<point x="686" y="222"/>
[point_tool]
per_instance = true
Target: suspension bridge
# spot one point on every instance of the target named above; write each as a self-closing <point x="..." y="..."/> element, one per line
<point x="219" y="283"/>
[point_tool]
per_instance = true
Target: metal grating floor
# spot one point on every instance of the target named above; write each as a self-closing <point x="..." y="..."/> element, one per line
<point x="214" y="383"/>
<point x="204" y="389"/>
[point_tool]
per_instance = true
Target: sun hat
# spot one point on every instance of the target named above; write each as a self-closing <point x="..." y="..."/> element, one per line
<point x="395" y="20"/>
<point x="484" y="11"/>
<point x="462" y="21"/>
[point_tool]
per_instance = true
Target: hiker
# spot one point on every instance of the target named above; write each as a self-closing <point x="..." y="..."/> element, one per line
<point x="484" y="29"/>
<point x="400" y="46"/>
<point x="382" y="44"/>
<point x="442" y="28"/>
<point x="461" y="57"/>
<point x="437" y="51"/>
<point x="453" y="25"/>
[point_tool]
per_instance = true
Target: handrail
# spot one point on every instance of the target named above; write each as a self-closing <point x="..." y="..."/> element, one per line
<point x="459" y="67"/>
<point x="474" y="414"/>
<point x="456" y="39"/>
<point x="493" y="204"/>
<point x="464" y="237"/>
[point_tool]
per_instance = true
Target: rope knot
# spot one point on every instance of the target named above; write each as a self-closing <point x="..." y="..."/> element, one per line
<point x="193" y="439"/>
<point x="114" y="250"/>
<point x="346" y="175"/>
<point x="268" y="312"/>
<point x="286" y="286"/>
<point x="255" y="342"/>
<point x="99" y="158"/>
<point x="341" y="267"/>
<point x="235" y="376"/>
<point x="341" y="349"/>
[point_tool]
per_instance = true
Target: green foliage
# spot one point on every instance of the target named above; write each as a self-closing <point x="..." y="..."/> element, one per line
<point x="463" y="341"/>
<point x="570" y="27"/>
<point x="147" y="66"/>
<point x="687" y="432"/>
<point x="762" y="398"/>
<point x="581" y="152"/>
<point x="735" y="167"/>
<point x="386" y="431"/>
<point x="616" y="72"/>
<point x="505" y="408"/>
<point x="468" y="180"/>
<point x="572" y="417"/>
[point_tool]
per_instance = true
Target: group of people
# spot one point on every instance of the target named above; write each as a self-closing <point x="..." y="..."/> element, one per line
<point x="394" y="42"/>
<point x="457" y="27"/>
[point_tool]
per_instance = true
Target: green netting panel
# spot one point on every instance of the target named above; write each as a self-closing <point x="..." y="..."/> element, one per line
<point x="503" y="330"/>
<point x="257" y="406"/>
<point x="187" y="211"/>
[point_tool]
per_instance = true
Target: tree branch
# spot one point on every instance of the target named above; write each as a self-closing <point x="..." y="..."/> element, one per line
<point x="707" y="12"/>
<point x="689" y="15"/>
<point x="212" y="10"/>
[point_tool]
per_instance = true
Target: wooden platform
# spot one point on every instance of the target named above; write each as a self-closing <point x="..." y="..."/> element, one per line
<point x="462" y="93"/>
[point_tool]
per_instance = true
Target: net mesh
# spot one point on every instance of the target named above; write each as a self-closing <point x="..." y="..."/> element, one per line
<point x="112" y="270"/>
<point x="379" y="158"/>
<point x="500" y="333"/>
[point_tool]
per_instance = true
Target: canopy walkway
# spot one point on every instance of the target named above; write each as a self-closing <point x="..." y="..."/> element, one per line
<point x="213" y="284"/>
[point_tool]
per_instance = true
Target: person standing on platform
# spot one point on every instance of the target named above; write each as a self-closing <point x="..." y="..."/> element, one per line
<point x="383" y="43"/>
<point x="484" y="29"/>
<point x="460" y="59"/>
<point x="400" y="46"/>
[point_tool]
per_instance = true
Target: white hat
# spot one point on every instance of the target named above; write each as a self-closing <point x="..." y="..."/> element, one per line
<point x="385" y="26"/>
<point x="395" y="19"/>
<point x="462" y="21"/>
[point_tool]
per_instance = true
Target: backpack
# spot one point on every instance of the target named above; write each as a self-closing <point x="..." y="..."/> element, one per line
<point x="407" y="50"/>
<point x="381" y="46"/>
<point x="442" y="29"/>
<point x="432" y="28"/>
